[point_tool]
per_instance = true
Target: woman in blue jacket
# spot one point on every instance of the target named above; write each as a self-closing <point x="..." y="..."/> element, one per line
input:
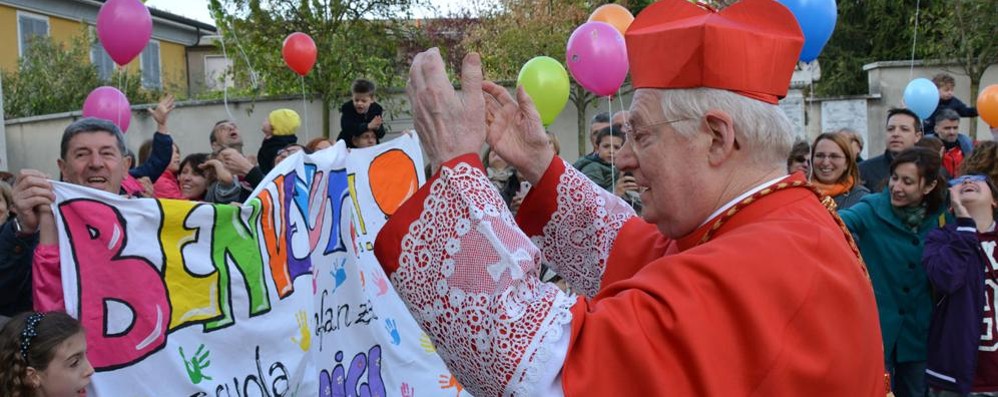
<point x="960" y="261"/>
<point x="890" y="228"/>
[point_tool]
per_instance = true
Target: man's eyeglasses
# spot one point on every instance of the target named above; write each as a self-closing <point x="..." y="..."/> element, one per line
<point x="967" y="178"/>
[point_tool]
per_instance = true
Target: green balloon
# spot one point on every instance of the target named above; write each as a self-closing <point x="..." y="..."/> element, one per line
<point x="546" y="81"/>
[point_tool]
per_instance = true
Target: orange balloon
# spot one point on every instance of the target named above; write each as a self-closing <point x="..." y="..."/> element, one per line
<point x="987" y="105"/>
<point x="393" y="180"/>
<point x="613" y="14"/>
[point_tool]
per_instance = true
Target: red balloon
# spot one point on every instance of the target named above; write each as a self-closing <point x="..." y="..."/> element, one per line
<point x="299" y="52"/>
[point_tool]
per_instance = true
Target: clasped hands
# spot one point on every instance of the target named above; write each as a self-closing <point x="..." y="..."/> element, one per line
<point x="451" y="124"/>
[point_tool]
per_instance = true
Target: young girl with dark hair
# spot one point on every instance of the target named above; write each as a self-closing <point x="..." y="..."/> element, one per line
<point x="43" y="354"/>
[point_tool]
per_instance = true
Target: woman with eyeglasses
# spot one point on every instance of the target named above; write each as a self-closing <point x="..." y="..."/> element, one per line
<point x="890" y="228"/>
<point x="834" y="170"/>
<point x="961" y="264"/>
<point x="798" y="159"/>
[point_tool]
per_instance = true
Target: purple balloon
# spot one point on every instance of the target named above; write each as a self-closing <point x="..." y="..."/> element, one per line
<point x="597" y="57"/>
<point x="109" y="104"/>
<point x="124" y="28"/>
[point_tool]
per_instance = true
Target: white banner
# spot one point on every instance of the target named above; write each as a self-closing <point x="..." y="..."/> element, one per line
<point x="281" y="296"/>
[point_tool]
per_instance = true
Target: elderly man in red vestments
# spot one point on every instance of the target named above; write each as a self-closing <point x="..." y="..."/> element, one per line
<point x="737" y="282"/>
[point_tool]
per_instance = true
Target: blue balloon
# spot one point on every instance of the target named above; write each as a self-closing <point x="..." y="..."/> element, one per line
<point x="817" y="20"/>
<point x="921" y="96"/>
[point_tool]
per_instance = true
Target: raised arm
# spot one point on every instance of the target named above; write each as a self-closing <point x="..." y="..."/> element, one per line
<point x="466" y="272"/>
<point x="162" y="143"/>
<point x="470" y="278"/>
<point x="949" y="254"/>
<point x="571" y="219"/>
<point x="575" y="223"/>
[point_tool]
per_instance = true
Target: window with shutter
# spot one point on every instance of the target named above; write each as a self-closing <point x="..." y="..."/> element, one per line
<point x="150" y="66"/>
<point x="101" y="60"/>
<point x="30" y="26"/>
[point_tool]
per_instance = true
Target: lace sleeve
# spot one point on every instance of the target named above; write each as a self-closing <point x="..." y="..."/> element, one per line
<point x="574" y="222"/>
<point x="469" y="276"/>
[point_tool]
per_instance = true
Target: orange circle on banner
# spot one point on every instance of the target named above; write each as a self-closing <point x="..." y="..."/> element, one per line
<point x="613" y="14"/>
<point x="987" y="105"/>
<point x="393" y="180"/>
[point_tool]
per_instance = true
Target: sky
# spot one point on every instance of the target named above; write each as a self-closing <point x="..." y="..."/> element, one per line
<point x="198" y="9"/>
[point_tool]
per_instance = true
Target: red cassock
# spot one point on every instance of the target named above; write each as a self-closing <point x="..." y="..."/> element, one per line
<point x="773" y="303"/>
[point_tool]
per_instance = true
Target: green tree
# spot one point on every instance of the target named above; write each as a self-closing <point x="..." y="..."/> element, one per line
<point x="964" y="38"/>
<point x="514" y="31"/>
<point x="355" y="39"/>
<point x="869" y="31"/>
<point x="54" y="77"/>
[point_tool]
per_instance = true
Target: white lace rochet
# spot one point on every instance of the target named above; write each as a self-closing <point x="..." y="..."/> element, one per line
<point x="469" y="276"/>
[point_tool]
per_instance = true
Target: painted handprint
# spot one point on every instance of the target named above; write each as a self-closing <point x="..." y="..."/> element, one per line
<point x="339" y="274"/>
<point x="449" y="381"/>
<point x="381" y="283"/>
<point x="427" y="344"/>
<point x="305" y="340"/>
<point x="408" y="391"/>
<point x="199" y="362"/>
<point x="393" y="331"/>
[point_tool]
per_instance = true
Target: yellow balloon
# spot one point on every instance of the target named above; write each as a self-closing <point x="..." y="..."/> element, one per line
<point x="613" y="14"/>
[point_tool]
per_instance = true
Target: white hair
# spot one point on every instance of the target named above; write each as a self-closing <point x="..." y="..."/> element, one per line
<point x="763" y="129"/>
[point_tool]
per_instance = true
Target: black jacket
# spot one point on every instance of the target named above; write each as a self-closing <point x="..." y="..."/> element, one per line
<point x="16" y="254"/>
<point x="269" y="149"/>
<point x="353" y="124"/>
<point x="875" y="172"/>
<point x="929" y="125"/>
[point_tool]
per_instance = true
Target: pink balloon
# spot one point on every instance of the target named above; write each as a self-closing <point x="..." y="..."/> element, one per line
<point x="109" y="104"/>
<point x="124" y="28"/>
<point x="597" y="57"/>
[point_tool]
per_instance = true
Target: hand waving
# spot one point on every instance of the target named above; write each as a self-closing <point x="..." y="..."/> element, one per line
<point x="161" y="112"/>
<point x="449" y="125"/>
<point x="515" y="131"/>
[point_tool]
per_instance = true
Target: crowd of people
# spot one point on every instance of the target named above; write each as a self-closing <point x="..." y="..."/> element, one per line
<point x="46" y="350"/>
<point x="922" y="214"/>
<point x="760" y="265"/>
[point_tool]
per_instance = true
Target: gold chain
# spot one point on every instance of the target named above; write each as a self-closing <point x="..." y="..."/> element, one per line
<point x="826" y="201"/>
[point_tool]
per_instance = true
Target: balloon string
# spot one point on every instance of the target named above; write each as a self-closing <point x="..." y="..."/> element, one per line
<point x="810" y="150"/>
<point x="304" y="107"/>
<point x="613" y="163"/>
<point x="620" y="101"/>
<point x="914" y="40"/>
<point x="117" y="117"/>
<point x="225" y="83"/>
<point x="253" y="77"/>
